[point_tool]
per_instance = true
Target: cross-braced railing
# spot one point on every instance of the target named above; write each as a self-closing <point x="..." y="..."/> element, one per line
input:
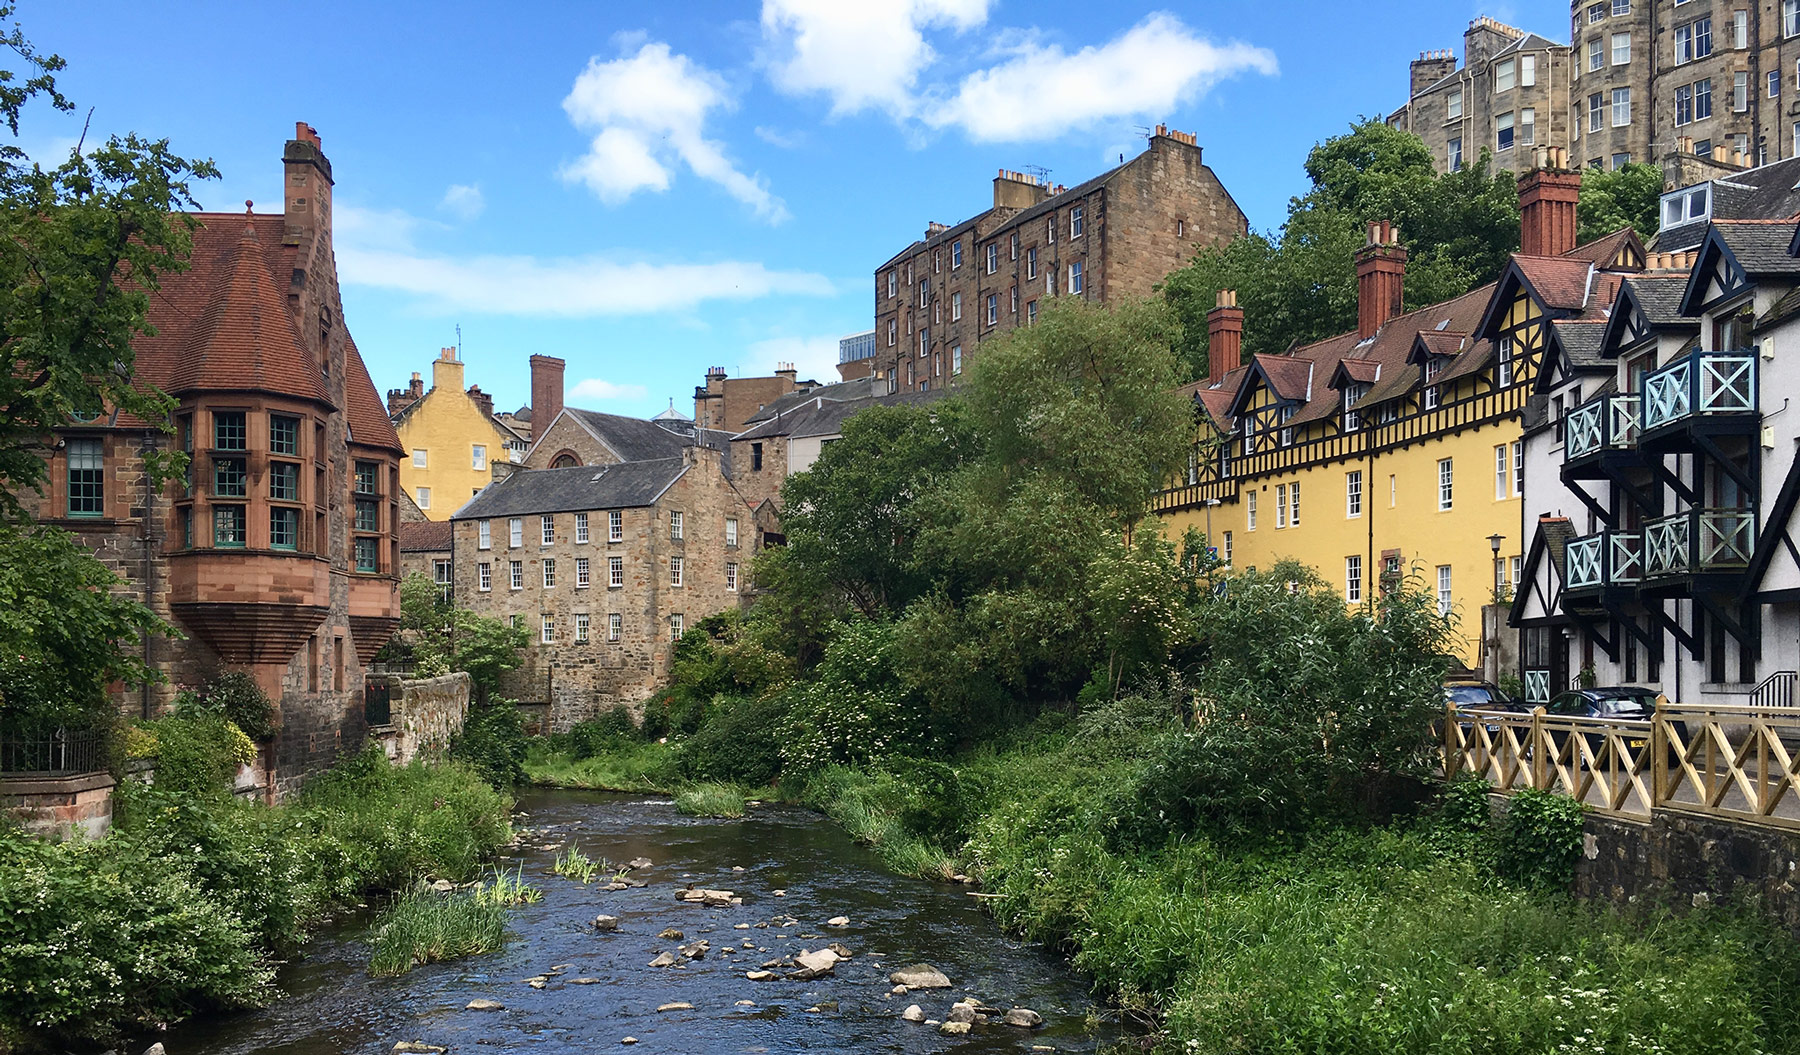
<point x="1584" y="562"/>
<point x="1608" y="422"/>
<point x="1537" y="686"/>
<point x="1606" y="558"/>
<point x="1699" y="540"/>
<point x="1700" y="383"/>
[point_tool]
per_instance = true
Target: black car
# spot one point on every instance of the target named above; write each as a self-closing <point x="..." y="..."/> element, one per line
<point x="1617" y="703"/>
<point x="1479" y="695"/>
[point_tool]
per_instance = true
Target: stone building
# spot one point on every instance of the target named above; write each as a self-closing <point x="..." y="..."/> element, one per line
<point x="279" y="554"/>
<point x="1116" y="235"/>
<point x="606" y="565"/>
<point x="1510" y="94"/>
<point x="726" y="404"/>
<point x="788" y="435"/>
<point x="451" y="438"/>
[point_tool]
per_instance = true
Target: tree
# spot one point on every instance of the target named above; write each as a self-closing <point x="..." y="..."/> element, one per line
<point x="1628" y="196"/>
<point x="442" y="637"/>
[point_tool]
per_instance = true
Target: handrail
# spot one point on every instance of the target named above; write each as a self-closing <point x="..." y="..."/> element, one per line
<point x="1700" y="383"/>
<point x="1775" y="689"/>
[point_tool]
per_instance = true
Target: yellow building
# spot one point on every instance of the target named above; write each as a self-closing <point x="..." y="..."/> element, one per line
<point x="1397" y="448"/>
<point x="451" y="439"/>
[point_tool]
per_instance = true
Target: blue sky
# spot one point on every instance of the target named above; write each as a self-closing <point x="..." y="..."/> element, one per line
<point x="647" y="190"/>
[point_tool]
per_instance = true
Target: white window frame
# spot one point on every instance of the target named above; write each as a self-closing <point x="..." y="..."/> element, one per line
<point x="1077" y="222"/>
<point x="478" y="456"/>
<point x="993" y="258"/>
<point x="956" y="360"/>
<point x="581" y="628"/>
<point x="547" y="528"/>
<point x="515" y="532"/>
<point x="615" y="626"/>
<point x="484" y="534"/>
<point x="615" y="573"/>
<point x="1281" y="506"/>
<point x="1353" y="578"/>
<point x="1505" y="132"/>
<point x="583" y="574"/>
<point x="1518" y="468"/>
<point x="1596" y="54"/>
<point x="1501" y="475"/>
<point x="581" y="529"/>
<point x="1453" y="105"/>
<point x="1527" y="71"/>
<point x="615" y="526"/>
<point x="1596" y="116"/>
<point x="420" y="458"/>
<point x="677" y="525"/>
<point x="1446" y="597"/>
<point x="1621" y="107"/>
<point x="549" y="569"/>
<point x="548" y="631"/>
<point x="424" y="496"/>
<point x="1250" y="511"/>
<point x="1225" y="550"/>
<point x="955" y="306"/>
<point x="677" y="625"/>
<point x="484" y="576"/>
<point x="676" y="567"/>
<point x="515" y="577"/>
<point x="993" y="309"/>
<point x="1294" y="504"/>
<point x="1621" y="52"/>
<point x="731" y="576"/>
<point x="731" y="531"/>
<point x="1506" y="75"/>
<point x="1446" y="484"/>
<point x="1077" y="281"/>
<point x="1353" y="497"/>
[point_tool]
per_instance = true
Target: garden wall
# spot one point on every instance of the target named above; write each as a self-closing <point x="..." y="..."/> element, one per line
<point x="1688" y="860"/>
<point x="425" y="715"/>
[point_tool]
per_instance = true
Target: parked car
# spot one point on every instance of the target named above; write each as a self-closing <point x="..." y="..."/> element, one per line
<point x="1481" y="695"/>
<point x="1613" y="703"/>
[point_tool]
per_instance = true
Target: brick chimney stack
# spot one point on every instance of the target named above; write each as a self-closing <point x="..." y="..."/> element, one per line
<point x="1547" y="196"/>
<point x="1224" y="336"/>
<point x="546" y="393"/>
<point x="1380" y="278"/>
<point x="306" y="206"/>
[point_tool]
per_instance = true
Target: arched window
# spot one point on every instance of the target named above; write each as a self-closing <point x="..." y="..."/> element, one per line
<point x="564" y="461"/>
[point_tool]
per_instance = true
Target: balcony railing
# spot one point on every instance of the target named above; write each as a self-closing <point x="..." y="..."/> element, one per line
<point x="1607" y="423"/>
<point x="1700" y="384"/>
<point x="1699" y="541"/>
<point x="1610" y="558"/>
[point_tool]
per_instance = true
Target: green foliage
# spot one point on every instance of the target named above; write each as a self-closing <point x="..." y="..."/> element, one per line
<point x="440" y="638"/>
<point x="236" y="695"/>
<point x="631" y="767"/>
<point x="424" y="927"/>
<point x="851" y="711"/>
<point x="64" y="635"/>
<point x="1541" y="839"/>
<point x="613" y="729"/>
<point x="575" y="865"/>
<point x="872" y="807"/>
<point x="507" y="888"/>
<point x="492" y="742"/>
<point x="710" y="799"/>
<point x="1628" y="196"/>
<point x="739" y="743"/>
<point x="198" y="749"/>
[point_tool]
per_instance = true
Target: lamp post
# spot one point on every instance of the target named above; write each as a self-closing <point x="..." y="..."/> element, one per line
<point x="1494" y="544"/>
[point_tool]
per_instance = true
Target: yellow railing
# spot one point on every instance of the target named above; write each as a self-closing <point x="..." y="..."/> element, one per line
<point x="1733" y="763"/>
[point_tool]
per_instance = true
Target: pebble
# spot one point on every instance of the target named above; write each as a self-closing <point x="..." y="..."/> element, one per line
<point x="154" y="1049"/>
<point x="838" y="921"/>
<point x="606" y="923"/>
<point x="584" y="981"/>
<point x="484" y="1004"/>
<point x="746" y="1003"/>
<point x="678" y="1005"/>
<point x="740" y="926"/>
<point x="629" y="1040"/>
<point x="411" y="1047"/>
<point x="671" y="934"/>
<point x="537" y="983"/>
<point x="914" y="1013"/>
<point x="954" y="1029"/>
<point x="639" y="862"/>
<point x="778" y="893"/>
<point x="1023" y="1017"/>
<point x="737" y="868"/>
<point x="666" y="959"/>
<point x="759" y="976"/>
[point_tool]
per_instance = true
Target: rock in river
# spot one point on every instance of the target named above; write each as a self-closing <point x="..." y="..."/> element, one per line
<point x="671" y="934"/>
<point x="915" y="1013"/>
<point x="1024" y="1017"/>
<point x="679" y="1005"/>
<point x="484" y="1004"/>
<point x="413" y="1047"/>
<point x="814" y="964"/>
<point x="606" y="923"/>
<point x="759" y="976"/>
<point x="838" y="921"/>
<point x="954" y="1028"/>
<point x="920" y="976"/>
<point x="666" y="959"/>
<point x="638" y="863"/>
<point x="709" y="898"/>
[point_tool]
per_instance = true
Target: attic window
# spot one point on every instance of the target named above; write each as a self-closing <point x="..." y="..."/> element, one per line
<point x="1687" y="205"/>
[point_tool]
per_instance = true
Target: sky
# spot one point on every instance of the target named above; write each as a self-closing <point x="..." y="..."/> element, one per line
<point x="649" y="190"/>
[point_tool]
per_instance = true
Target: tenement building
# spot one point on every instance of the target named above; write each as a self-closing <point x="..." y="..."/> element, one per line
<point x="726" y="403"/>
<point x="1116" y="235"/>
<point x="606" y="565"/>
<point x="1397" y="449"/>
<point x="278" y="555"/>
<point x="1510" y="94"/>
<point x="452" y="440"/>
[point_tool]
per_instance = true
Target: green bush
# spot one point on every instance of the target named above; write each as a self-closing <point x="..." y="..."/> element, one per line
<point x="853" y="710"/>
<point x="493" y="742"/>
<point x="1540" y="840"/>
<point x="740" y="743"/>
<point x="237" y="696"/>
<point x="613" y="729"/>
<point x="198" y="749"/>
<point x="425" y="927"/>
<point x="710" y="800"/>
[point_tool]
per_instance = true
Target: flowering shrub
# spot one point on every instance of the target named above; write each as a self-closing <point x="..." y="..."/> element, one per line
<point x="853" y="711"/>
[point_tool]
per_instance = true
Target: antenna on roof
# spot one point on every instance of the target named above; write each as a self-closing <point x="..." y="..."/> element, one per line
<point x="1042" y="173"/>
<point x="1144" y="131"/>
<point x="459" y="340"/>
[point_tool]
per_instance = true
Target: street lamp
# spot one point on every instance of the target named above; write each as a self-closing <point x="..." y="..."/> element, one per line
<point x="1494" y="544"/>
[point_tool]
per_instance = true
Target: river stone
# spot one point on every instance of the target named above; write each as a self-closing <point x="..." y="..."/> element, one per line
<point x="759" y="976"/>
<point x="558" y="968"/>
<point x="678" y="1005"/>
<point x="671" y="934"/>
<point x="778" y="893"/>
<point x="411" y="1047"/>
<point x="914" y="1013"/>
<point x="443" y="886"/>
<point x="606" y="923"/>
<point x="484" y="1004"/>
<point x="629" y="1040"/>
<point x="842" y="953"/>
<point x="1023" y="1017"/>
<point x="838" y="921"/>
<point x="955" y="1029"/>
<point x="538" y="983"/>
<point x="616" y="885"/>
<point x="740" y="926"/>
<point x="154" y="1049"/>
<point x="638" y="863"/>
<point x="962" y="1013"/>
<point x="584" y="981"/>
<point x="666" y="959"/>
<point x="920" y="976"/>
<point x="746" y="1003"/>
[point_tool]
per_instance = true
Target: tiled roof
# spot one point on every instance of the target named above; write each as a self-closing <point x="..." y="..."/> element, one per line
<point x="1560" y="282"/>
<point x="584" y="487"/>
<point x="1364" y="371"/>
<point x="1659" y="295"/>
<point x="1769" y="192"/>
<point x="1605" y="249"/>
<point x="825" y="417"/>
<point x="1580" y="340"/>
<point x="1761" y="246"/>
<point x="1290" y="375"/>
<point x="425" y="536"/>
<point x="369" y="423"/>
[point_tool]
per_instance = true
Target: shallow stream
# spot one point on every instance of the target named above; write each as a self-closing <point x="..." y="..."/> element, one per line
<point x="332" y="1006"/>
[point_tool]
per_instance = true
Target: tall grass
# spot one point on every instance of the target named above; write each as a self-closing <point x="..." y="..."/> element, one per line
<point x="508" y="888"/>
<point x="871" y="808"/>
<point x="425" y="927"/>
<point x="711" y="800"/>
<point x="573" y="864"/>
<point x="628" y="766"/>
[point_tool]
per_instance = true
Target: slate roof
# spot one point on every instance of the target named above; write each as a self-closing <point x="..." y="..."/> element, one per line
<point x="861" y="388"/>
<point x="1761" y="246"/>
<point x="1769" y="192"/>
<point x="825" y="417"/>
<point x="1659" y="295"/>
<point x="584" y="487"/>
<point x="1580" y="341"/>
<point x="425" y="536"/>
<point x="632" y="439"/>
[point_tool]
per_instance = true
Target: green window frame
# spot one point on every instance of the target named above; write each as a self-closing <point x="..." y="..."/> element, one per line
<point x="368" y="554"/>
<point x="229" y="527"/>
<point x="187" y="528"/>
<point x="284" y="435"/>
<point x="284" y="528"/>
<point x="368" y="515"/>
<point x="229" y="432"/>
<point x="284" y="481"/>
<point x="87" y="477"/>
<point x="368" y="478"/>
<point x="229" y="478"/>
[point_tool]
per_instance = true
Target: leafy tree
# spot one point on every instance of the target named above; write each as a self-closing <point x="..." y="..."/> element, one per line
<point x="1628" y="196"/>
<point x="442" y="637"/>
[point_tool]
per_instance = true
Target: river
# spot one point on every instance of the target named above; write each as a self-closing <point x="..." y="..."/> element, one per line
<point x="332" y="1007"/>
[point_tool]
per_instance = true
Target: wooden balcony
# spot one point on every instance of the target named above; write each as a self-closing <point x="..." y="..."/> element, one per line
<point x="1700" y="394"/>
<point x="1601" y="437"/>
<point x="1700" y="549"/>
<point x="1603" y="568"/>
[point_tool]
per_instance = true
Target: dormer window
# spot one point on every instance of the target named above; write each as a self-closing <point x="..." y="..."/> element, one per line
<point x="1687" y="205"/>
<point x="1352" y="416"/>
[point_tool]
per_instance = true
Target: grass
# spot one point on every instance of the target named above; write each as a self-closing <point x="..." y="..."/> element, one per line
<point x="870" y="808"/>
<point x="711" y="800"/>
<point x="425" y="927"/>
<point x="574" y="864"/>
<point x="508" y="888"/>
<point x="638" y="767"/>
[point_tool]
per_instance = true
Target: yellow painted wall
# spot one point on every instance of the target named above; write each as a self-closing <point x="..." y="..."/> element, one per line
<point x="447" y="425"/>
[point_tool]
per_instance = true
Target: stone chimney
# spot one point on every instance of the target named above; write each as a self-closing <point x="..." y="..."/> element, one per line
<point x="1547" y="196"/>
<point x="306" y="201"/>
<point x="399" y="399"/>
<point x="1017" y="190"/>
<point x="546" y="393"/>
<point x="1224" y="336"/>
<point x="788" y="375"/>
<point x="482" y="400"/>
<point x="1380" y="278"/>
<point x="1431" y="67"/>
<point x="447" y="371"/>
<point x="1484" y="38"/>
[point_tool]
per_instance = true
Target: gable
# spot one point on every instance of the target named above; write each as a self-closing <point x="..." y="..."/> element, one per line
<point x="1716" y="276"/>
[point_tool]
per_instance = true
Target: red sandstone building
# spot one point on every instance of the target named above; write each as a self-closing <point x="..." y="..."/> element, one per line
<point x="279" y="554"/>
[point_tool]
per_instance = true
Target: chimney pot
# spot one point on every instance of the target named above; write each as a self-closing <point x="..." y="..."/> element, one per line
<point x="1224" y="336"/>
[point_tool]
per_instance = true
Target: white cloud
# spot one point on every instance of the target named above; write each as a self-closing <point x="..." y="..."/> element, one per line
<point x="866" y="55"/>
<point x="775" y="137"/>
<point x="1041" y="91"/>
<point x="463" y="201"/>
<point x="647" y="112"/>
<point x="814" y="357"/>
<point x="596" y="389"/>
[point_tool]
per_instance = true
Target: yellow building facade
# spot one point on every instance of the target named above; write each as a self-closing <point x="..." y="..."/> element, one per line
<point x="451" y="440"/>
<point x="1397" y="449"/>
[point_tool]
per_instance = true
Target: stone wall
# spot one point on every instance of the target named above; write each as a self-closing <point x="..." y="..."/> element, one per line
<point x="1690" y="860"/>
<point x="425" y="715"/>
<point x="57" y="805"/>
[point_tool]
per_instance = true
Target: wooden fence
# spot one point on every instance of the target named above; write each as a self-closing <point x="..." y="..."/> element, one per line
<point x="1734" y="763"/>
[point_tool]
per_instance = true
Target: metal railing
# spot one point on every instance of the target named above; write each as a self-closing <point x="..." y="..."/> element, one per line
<point x="1734" y="763"/>
<point x="57" y="751"/>
<point x="1776" y="690"/>
<point x="1609" y="422"/>
<point x="1699" y="540"/>
<point x="1700" y="384"/>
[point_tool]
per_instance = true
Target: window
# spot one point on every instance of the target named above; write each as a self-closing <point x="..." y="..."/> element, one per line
<point x="1740" y="29"/>
<point x="1075" y="222"/>
<point x="1702" y="102"/>
<point x="893" y="332"/>
<point x="516" y="532"/>
<point x="368" y="515"/>
<point x="955" y="306"/>
<point x="582" y="578"/>
<point x="1294" y="505"/>
<point x="368" y="554"/>
<point x="1225" y="551"/>
<point x="1774" y="84"/>
<point x="924" y="347"/>
<point x="1443" y="589"/>
<point x="1527" y="70"/>
<point x="1456" y="154"/>
<point x="228" y="430"/>
<point x="484" y="534"/>
<point x="993" y="308"/>
<point x="547" y="528"/>
<point x="1031" y="306"/>
<point x="924" y="292"/>
<point x="1621" y="107"/>
<point x="615" y="526"/>
<point x="731" y="576"/>
<point x="229" y="478"/>
<point x="1518" y="569"/>
<point x="1740" y="92"/>
<point x="1050" y="230"/>
<point x="1500" y="473"/>
<point x="676" y="625"/>
<point x="1453" y="105"/>
<point x="1505" y="75"/>
<point x="615" y="572"/>
<point x="549" y="631"/>
<point x="284" y="527"/>
<point x="516" y="578"/>
<point x="1250" y="511"/>
<point x="581" y="528"/>
<point x="1281" y="506"/>
<point x="1015" y="245"/>
<point x="1518" y="467"/>
<point x="424" y="494"/>
<point x="228" y="526"/>
<point x="284" y="435"/>
<point x="1031" y="262"/>
<point x="1686" y="206"/>
<point x="1015" y="300"/>
<point x="87" y="478"/>
<point x="1596" y="111"/>
<point x="1621" y="160"/>
<point x="1503" y="363"/>
<point x="1075" y="277"/>
<point x="993" y="258"/>
<point x="615" y="626"/>
<point x="1790" y="18"/>
<point x="676" y="525"/>
<point x="731" y="528"/>
<point x="484" y="576"/>
<point x="477" y="456"/>
<point x="1621" y="7"/>
<point x="891" y="285"/>
<point x="1596" y="12"/>
<point x="675" y="568"/>
<point x="419" y="459"/>
<point x="1503" y="131"/>
<point x="956" y="254"/>
<point x="581" y="628"/>
<point x="956" y="360"/>
<point x="549" y="573"/>
<point x="1596" y="54"/>
<point x="1353" y="578"/>
<point x="1527" y="126"/>
<point x="1393" y="490"/>
<point x="1693" y="41"/>
<point x="1621" y="49"/>
<point x="1446" y="480"/>
<point x="284" y="481"/>
<point x="1353" y="493"/>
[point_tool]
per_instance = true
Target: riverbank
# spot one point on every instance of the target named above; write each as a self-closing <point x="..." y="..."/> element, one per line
<point x="1441" y="931"/>
<point x="193" y="899"/>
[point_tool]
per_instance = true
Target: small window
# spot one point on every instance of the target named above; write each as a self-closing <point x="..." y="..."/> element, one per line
<point x="424" y="497"/>
<point x="1444" y="599"/>
<point x="1075" y="279"/>
<point x="477" y="456"/>
<point x="675" y="569"/>
<point x="1621" y="107"/>
<point x="229" y="527"/>
<point x="581" y="628"/>
<point x="1446" y="483"/>
<point x="677" y="625"/>
<point x="229" y="478"/>
<point x="756" y="457"/>
<point x="368" y="515"/>
<point x="1503" y="131"/>
<point x="993" y="258"/>
<point x="731" y="576"/>
<point x="1031" y="255"/>
<point x="1596" y="112"/>
<point x="1454" y="105"/>
<point x="1596" y="12"/>
<point x="1621" y="49"/>
<point x="549" y="573"/>
<point x="581" y="528"/>
<point x="956" y="254"/>
<point x="87" y="477"/>
<point x="955" y="306"/>
<point x="1454" y="152"/>
<point x="1740" y="29"/>
<point x="993" y="309"/>
<point x="1353" y="494"/>
<point x="368" y="554"/>
<point x="1250" y="511"/>
<point x="284" y="481"/>
<point x="516" y="579"/>
<point x="956" y="360"/>
<point x="583" y="576"/>
<point x="484" y="576"/>
<point x="677" y="525"/>
<point x="515" y="527"/>
<point x="284" y="435"/>
<point x="1353" y="578"/>
<point x="1596" y="55"/>
<point x="549" y="632"/>
<point x="891" y="285"/>
<point x="419" y="458"/>
<point x="228" y="430"/>
<point x="731" y="531"/>
<point x="1527" y="70"/>
<point x="1774" y="84"/>
<point x="1076" y="222"/>
<point x="615" y="526"/>
<point x="1621" y="7"/>
<point x="615" y="572"/>
<point x="484" y="534"/>
<point x="615" y="626"/>
<point x="547" y="528"/>
<point x="1031" y="306"/>
<point x="1505" y="75"/>
<point x="368" y="478"/>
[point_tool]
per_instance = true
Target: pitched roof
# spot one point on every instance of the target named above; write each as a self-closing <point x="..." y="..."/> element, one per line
<point x="1605" y="249"/>
<point x="1364" y="371"/>
<point x="1291" y="376"/>
<point x="632" y="439"/>
<point x="1760" y="246"/>
<point x="860" y="388"/>
<point x="584" y="487"/>
<point x="425" y="536"/>
<point x="368" y="420"/>
<point x="1768" y="192"/>
<point x="825" y="417"/>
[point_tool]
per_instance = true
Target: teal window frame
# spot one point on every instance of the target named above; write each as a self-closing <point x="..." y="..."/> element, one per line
<point x="86" y="460"/>
<point x="284" y="481"/>
<point x="231" y="478"/>
<point x="230" y="433"/>
<point x="236" y="519"/>
<point x="284" y="435"/>
<point x="368" y="554"/>
<point x="284" y="528"/>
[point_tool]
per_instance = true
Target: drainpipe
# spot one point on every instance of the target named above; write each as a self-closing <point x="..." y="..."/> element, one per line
<point x="151" y="587"/>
